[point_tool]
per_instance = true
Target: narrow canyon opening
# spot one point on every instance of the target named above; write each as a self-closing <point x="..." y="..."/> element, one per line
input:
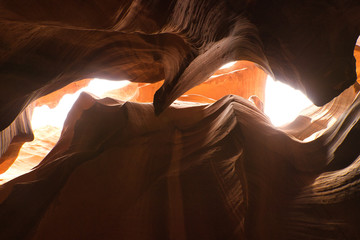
<point x="161" y="120"/>
<point x="281" y="103"/>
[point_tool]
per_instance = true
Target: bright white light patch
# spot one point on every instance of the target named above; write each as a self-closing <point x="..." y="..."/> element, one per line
<point x="283" y="103"/>
<point x="43" y="116"/>
<point x="229" y="64"/>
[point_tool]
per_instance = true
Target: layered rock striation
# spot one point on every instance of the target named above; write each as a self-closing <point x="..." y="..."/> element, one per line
<point x="190" y="170"/>
<point x="218" y="171"/>
<point x="45" y="46"/>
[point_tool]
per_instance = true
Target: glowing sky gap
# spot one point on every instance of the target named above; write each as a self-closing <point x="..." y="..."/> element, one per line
<point x="43" y="116"/>
<point x="283" y="103"/>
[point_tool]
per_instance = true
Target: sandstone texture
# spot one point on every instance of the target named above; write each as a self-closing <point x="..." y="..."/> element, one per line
<point x="180" y="153"/>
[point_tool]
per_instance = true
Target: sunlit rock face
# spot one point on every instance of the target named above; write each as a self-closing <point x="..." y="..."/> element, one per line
<point x="52" y="100"/>
<point x="45" y="46"/>
<point x="119" y="171"/>
<point x="242" y="79"/>
<point x="20" y="131"/>
<point x="313" y="121"/>
<point x="13" y="137"/>
<point x="200" y="169"/>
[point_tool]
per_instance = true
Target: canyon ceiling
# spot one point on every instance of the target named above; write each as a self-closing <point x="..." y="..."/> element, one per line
<point x="220" y="170"/>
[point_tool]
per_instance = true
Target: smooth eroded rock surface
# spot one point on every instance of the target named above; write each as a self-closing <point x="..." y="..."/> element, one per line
<point x="218" y="171"/>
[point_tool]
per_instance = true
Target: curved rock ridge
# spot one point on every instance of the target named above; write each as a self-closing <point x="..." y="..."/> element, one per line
<point x="20" y="131"/>
<point x="45" y="46"/>
<point x="313" y="121"/>
<point x="218" y="171"/>
<point x="242" y="78"/>
<point x="13" y="137"/>
<point x="31" y="153"/>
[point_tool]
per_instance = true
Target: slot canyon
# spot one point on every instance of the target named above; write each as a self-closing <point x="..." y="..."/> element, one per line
<point x="181" y="146"/>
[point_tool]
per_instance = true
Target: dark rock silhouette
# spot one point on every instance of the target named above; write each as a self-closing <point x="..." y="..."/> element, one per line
<point x="125" y="170"/>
